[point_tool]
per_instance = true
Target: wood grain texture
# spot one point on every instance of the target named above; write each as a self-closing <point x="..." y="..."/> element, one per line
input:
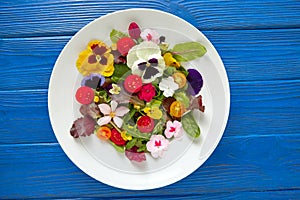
<point x="257" y="108"/>
<point x="258" y="156"/>
<point x="53" y="17"/>
<point x="46" y="172"/>
<point x="248" y="55"/>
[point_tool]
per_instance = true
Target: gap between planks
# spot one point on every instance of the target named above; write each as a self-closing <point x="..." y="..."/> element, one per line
<point x="223" y="137"/>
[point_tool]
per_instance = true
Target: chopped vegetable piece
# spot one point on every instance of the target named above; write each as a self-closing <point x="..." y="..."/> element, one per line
<point x="133" y="83"/>
<point x="145" y="124"/>
<point x="177" y="109"/>
<point x="85" y="95"/>
<point x="180" y="79"/>
<point x="124" y="45"/>
<point x="117" y="138"/>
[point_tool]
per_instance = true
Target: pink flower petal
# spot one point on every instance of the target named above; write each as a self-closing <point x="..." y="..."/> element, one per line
<point x="104" y="120"/>
<point x="157" y="145"/>
<point x="179" y="130"/>
<point x="121" y="111"/>
<point x="118" y="121"/>
<point x="104" y="108"/>
<point x="168" y="131"/>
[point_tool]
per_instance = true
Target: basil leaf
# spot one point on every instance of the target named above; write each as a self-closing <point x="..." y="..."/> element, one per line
<point x="116" y="35"/>
<point x="190" y="125"/>
<point x="188" y="51"/>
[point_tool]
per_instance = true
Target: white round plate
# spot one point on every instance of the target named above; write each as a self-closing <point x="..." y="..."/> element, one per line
<point x="99" y="159"/>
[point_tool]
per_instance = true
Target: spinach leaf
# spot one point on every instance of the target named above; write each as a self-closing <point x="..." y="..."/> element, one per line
<point x="190" y="125"/>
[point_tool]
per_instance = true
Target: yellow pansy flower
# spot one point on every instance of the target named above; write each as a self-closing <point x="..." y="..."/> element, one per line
<point x="96" y="58"/>
<point x="170" y="60"/>
<point x="154" y="112"/>
<point x="126" y="136"/>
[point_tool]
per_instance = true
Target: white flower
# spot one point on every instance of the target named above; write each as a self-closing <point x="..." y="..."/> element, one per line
<point x="157" y="145"/>
<point x="145" y="60"/>
<point x="169" y="86"/>
<point x="150" y="35"/>
<point x="112" y="113"/>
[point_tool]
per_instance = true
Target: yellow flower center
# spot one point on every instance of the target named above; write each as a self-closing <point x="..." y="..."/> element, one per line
<point x="148" y="64"/>
<point x="98" y="58"/>
<point x="112" y="114"/>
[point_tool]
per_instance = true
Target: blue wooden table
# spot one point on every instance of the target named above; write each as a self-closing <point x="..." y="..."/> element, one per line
<point x="259" y="154"/>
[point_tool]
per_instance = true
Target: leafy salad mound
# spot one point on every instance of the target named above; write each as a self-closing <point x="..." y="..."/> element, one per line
<point x="136" y="94"/>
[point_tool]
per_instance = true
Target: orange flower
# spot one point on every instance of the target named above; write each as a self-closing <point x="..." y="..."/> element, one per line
<point x="96" y="58"/>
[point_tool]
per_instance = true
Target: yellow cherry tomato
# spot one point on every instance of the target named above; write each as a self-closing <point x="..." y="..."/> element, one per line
<point x="180" y="79"/>
<point x="177" y="109"/>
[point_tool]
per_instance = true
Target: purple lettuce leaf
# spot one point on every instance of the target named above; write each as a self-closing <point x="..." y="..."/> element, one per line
<point x="82" y="127"/>
<point x="92" y="110"/>
<point x="133" y="155"/>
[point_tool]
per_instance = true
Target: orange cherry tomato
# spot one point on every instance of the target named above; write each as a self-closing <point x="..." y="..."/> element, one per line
<point x="177" y="109"/>
<point x="180" y="79"/>
<point x="103" y="133"/>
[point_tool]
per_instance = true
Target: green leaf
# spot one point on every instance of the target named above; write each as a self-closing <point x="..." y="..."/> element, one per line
<point x="183" y="70"/>
<point x="119" y="72"/>
<point x="142" y="148"/>
<point x="188" y="51"/>
<point x="131" y="143"/>
<point x="103" y="96"/>
<point x="134" y="132"/>
<point x="116" y="35"/>
<point x="190" y="125"/>
<point x="120" y="149"/>
<point x="183" y="98"/>
<point x="159" y="127"/>
<point x="169" y="71"/>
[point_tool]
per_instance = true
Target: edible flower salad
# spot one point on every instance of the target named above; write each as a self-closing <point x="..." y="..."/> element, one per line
<point x="136" y="93"/>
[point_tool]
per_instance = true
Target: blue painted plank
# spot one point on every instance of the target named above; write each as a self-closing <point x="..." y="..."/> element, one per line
<point x="53" y="17"/>
<point x="250" y="55"/>
<point x="234" y="170"/>
<point x="257" y="108"/>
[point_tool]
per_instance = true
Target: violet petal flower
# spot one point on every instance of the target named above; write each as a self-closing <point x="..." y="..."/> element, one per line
<point x="195" y="81"/>
<point x="93" y="81"/>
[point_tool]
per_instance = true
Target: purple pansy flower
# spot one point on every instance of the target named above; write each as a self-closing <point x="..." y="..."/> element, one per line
<point x="195" y="81"/>
<point x="93" y="81"/>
